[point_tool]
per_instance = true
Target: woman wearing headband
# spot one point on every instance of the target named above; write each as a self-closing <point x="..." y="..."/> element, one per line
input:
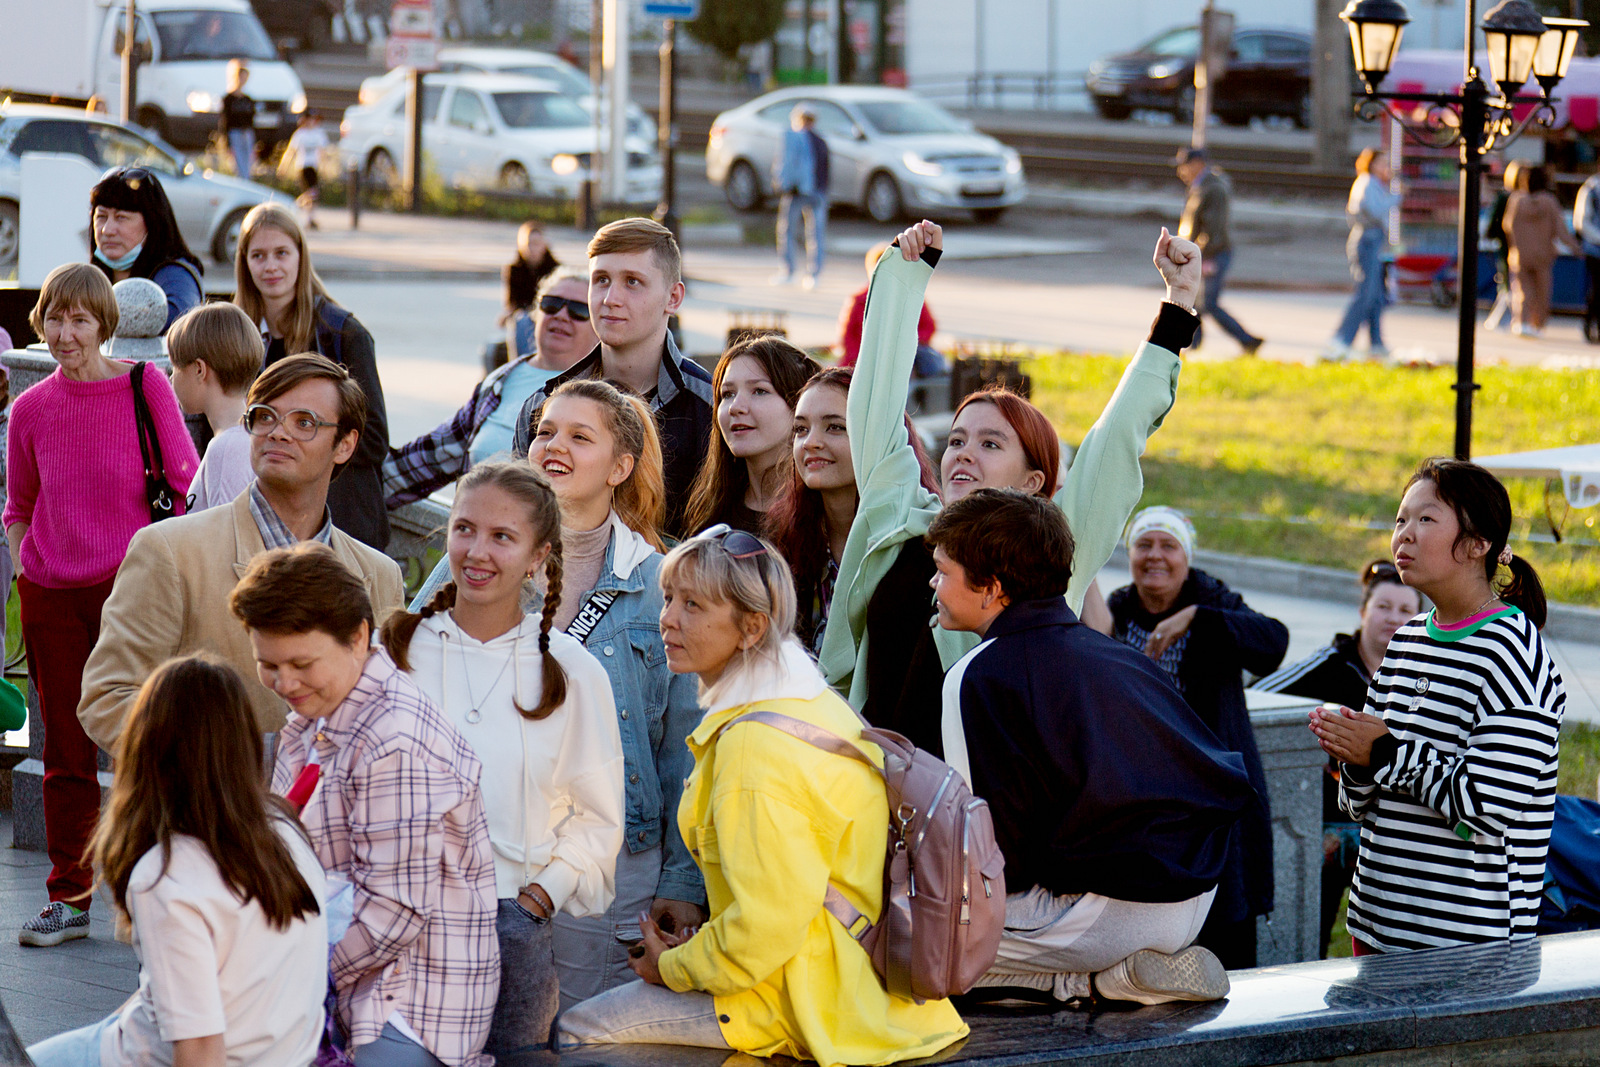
<point x="1204" y="637"/>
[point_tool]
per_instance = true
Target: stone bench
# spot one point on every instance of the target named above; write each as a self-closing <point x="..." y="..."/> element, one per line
<point x="1531" y="1002"/>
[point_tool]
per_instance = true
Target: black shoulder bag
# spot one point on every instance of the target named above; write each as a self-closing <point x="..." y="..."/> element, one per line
<point x="157" y="490"/>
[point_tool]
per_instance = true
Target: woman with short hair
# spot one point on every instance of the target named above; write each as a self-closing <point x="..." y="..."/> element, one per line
<point x="133" y="233"/>
<point x="774" y="823"/>
<point x="278" y="288"/>
<point x="76" y="495"/>
<point x="388" y="791"/>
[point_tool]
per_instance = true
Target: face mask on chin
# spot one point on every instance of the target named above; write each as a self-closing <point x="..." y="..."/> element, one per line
<point x="122" y="263"/>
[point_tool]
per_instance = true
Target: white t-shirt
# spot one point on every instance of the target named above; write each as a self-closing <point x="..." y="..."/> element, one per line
<point x="224" y="470"/>
<point x="210" y="965"/>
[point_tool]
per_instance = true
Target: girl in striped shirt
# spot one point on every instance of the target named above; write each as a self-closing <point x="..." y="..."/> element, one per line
<point x="1451" y="769"/>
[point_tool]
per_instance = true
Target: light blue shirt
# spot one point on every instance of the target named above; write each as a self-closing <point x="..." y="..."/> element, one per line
<point x="799" y="170"/>
<point x="495" y="435"/>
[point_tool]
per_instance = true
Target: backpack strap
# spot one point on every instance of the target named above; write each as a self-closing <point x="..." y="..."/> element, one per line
<point x="854" y="922"/>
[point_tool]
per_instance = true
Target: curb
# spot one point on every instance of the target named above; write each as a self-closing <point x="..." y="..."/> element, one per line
<point x="1567" y="622"/>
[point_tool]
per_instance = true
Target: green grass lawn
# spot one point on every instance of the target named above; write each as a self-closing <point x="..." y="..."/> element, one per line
<point x="1300" y="463"/>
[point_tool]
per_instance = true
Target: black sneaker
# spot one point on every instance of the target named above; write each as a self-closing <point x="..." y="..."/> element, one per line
<point x="58" y="922"/>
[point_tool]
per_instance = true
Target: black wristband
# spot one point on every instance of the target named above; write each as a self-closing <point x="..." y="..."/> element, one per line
<point x="930" y="255"/>
<point x="1174" y="327"/>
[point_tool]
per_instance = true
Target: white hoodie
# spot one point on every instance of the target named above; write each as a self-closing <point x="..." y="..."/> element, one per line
<point x="552" y="788"/>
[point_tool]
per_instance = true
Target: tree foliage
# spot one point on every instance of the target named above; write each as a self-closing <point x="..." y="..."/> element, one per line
<point x="728" y="25"/>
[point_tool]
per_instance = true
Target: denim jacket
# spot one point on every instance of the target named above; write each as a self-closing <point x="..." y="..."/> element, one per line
<point x="656" y="709"/>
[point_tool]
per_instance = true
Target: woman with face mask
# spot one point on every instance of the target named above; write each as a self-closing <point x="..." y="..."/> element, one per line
<point x="134" y="234"/>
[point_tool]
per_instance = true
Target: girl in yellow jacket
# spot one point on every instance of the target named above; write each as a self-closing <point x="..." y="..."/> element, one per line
<point x="773" y="822"/>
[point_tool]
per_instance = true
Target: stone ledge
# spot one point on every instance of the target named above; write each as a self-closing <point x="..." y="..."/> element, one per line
<point x="1531" y="1002"/>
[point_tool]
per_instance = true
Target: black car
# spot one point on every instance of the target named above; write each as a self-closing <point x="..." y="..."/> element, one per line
<point x="1269" y="73"/>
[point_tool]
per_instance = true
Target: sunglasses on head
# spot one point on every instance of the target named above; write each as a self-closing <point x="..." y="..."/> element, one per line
<point x="552" y="305"/>
<point x="1381" y="570"/>
<point x="737" y="543"/>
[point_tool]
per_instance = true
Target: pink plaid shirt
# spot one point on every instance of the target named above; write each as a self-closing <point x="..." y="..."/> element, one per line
<point x="398" y="812"/>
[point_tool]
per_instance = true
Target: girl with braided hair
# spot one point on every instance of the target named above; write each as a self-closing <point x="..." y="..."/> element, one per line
<point x="538" y="711"/>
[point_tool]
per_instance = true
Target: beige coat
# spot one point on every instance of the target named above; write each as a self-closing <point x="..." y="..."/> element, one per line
<point x="171" y="599"/>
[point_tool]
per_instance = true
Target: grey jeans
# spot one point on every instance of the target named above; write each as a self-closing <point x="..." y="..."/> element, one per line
<point x="592" y="953"/>
<point x="528" y="993"/>
<point x="642" y="1014"/>
<point x="393" y="1049"/>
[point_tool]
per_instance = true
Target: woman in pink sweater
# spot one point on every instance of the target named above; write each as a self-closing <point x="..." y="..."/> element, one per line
<point x="76" y="497"/>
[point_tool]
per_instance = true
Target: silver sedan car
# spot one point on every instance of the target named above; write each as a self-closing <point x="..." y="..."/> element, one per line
<point x="209" y="206"/>
<point x="890" y="151"/>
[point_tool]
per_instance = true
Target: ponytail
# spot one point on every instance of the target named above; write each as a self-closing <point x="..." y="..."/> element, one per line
<point x="553" y="692"/>
<point x="401" y="626"/>
<point x="1524" y="590"/>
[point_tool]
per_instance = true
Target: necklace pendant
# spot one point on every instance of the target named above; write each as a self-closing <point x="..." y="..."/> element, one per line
<point x="474" y="716"/>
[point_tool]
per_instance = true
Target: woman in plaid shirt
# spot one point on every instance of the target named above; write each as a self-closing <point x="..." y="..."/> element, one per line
<point x="390" y="798"/>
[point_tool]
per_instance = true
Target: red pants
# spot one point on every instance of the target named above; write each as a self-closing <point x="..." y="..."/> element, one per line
<point x="60" y="627"/>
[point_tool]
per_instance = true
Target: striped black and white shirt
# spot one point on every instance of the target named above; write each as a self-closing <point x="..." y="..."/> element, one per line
<point x="1455" y="827"/>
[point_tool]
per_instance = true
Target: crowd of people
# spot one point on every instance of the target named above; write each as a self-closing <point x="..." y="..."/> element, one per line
<point x="530" y="809"/>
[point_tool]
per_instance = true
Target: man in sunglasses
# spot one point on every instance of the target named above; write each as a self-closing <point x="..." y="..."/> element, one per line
<point x="304" y="415"/>
<point x="486" y="424"/>
<point x="635" y="286"/>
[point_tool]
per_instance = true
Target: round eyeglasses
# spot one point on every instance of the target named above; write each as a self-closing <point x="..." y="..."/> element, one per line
<point x="260" y="420"/>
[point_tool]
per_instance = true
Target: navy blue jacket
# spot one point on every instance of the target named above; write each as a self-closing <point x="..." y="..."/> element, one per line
<point x="1100" y="778"/>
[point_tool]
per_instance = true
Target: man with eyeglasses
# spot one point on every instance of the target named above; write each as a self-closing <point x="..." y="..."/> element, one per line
<point x="486" y="424"/>
<point x="635" y="287"/>
<point x="304" y="415"/>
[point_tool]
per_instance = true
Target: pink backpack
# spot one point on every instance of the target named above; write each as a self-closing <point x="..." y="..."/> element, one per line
<point x="944" y="890"/>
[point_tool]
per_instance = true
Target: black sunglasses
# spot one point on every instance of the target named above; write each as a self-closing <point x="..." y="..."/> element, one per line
<point x="1379" y="569"/>
<point x="552" y="305"/>
<point x="737" y="543"/>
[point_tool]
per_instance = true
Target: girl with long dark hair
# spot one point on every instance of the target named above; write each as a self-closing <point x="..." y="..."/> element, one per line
<point x="1451" y="767"/>
<point x="754" y="387"/>
<point x="219" y="883"/>
<point x="134" y="234"/>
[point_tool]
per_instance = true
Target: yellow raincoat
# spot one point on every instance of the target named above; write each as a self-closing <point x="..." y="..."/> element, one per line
<point x="772" y="821"/>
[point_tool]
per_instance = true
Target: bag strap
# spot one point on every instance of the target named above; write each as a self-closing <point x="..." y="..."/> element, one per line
<point x="590" y="612"/>
<point x="148" y="442"/>
<point x="834" y="901"/>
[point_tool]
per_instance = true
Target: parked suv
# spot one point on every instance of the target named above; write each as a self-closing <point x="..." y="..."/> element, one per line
<point x="1269" y="73"/>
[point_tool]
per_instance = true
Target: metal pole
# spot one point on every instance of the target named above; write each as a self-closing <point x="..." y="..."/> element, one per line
<point x="411" y="175"/>
<point x="1202" y="79"/>
<point x="587" y="198"/>
<point x="1474" y="112"/>
<point x="667" y="211"/>
<point x="130" y="65"/>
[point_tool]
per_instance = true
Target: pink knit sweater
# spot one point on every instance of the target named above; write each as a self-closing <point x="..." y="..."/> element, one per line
<point x="73" y="473"/>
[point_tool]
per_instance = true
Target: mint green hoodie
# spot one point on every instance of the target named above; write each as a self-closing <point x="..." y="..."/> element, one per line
<point x="1099" y="493"/>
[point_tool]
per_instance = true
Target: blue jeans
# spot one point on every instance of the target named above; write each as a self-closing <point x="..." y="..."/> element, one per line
<point x="242" y="143"/>
<point x="1367" y="302"/>
<point x="1212" y="300"/>
<point x="641" y="1014"/>
<point x="814" y="206"/>
<point x="529" y="996"/>
<point x="75" y="1048"/>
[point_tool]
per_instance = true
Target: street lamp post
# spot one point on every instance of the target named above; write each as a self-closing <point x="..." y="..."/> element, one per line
<point x="1518" y="43"/>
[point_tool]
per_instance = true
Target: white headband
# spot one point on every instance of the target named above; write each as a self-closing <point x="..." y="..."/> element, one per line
<point x="1165" y="520"/>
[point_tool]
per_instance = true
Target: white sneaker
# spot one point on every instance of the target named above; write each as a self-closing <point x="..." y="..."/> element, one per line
<point x="1151" y="977"/>
<point x="1529" y="331"/>
<point x="809" y="282"/>
<point x="1335" y="351"/>
<point x="1378" y="352"/>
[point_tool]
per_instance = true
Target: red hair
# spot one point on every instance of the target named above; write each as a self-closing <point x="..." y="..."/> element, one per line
<point x="796" y="522"/>
<point x="1041" y="448"/>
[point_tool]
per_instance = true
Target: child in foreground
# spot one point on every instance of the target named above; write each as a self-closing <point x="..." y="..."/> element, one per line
<point x="216" y="353"/>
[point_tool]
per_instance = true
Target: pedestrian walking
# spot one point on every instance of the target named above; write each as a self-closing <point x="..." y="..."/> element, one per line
<point x="1206" y="221"/>
<point x="1494" y="228"/>
<point x="1340" y="673"/>
<point x="302" y="159"/>
<point x="226" y="901"/>
<point x="237" y="120"/>
<point x="1113" y="804"/>
<point x="523" y="278"/>
<point x="1586" y="224"/>
<point x="277" y="287"/>
<point x="540" y="717"/>
<point x="1204" y="637"/>
<point x="1371" y="201"/>
<point x="1451" y="766"/>
<point x="801" y="178"/>
<point x="774" y="823"/>
<point x="747" y="461"/>
<point x="134" y="234"/>
<point x="76" y="495"/>
<point x="1535" y="225"/>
